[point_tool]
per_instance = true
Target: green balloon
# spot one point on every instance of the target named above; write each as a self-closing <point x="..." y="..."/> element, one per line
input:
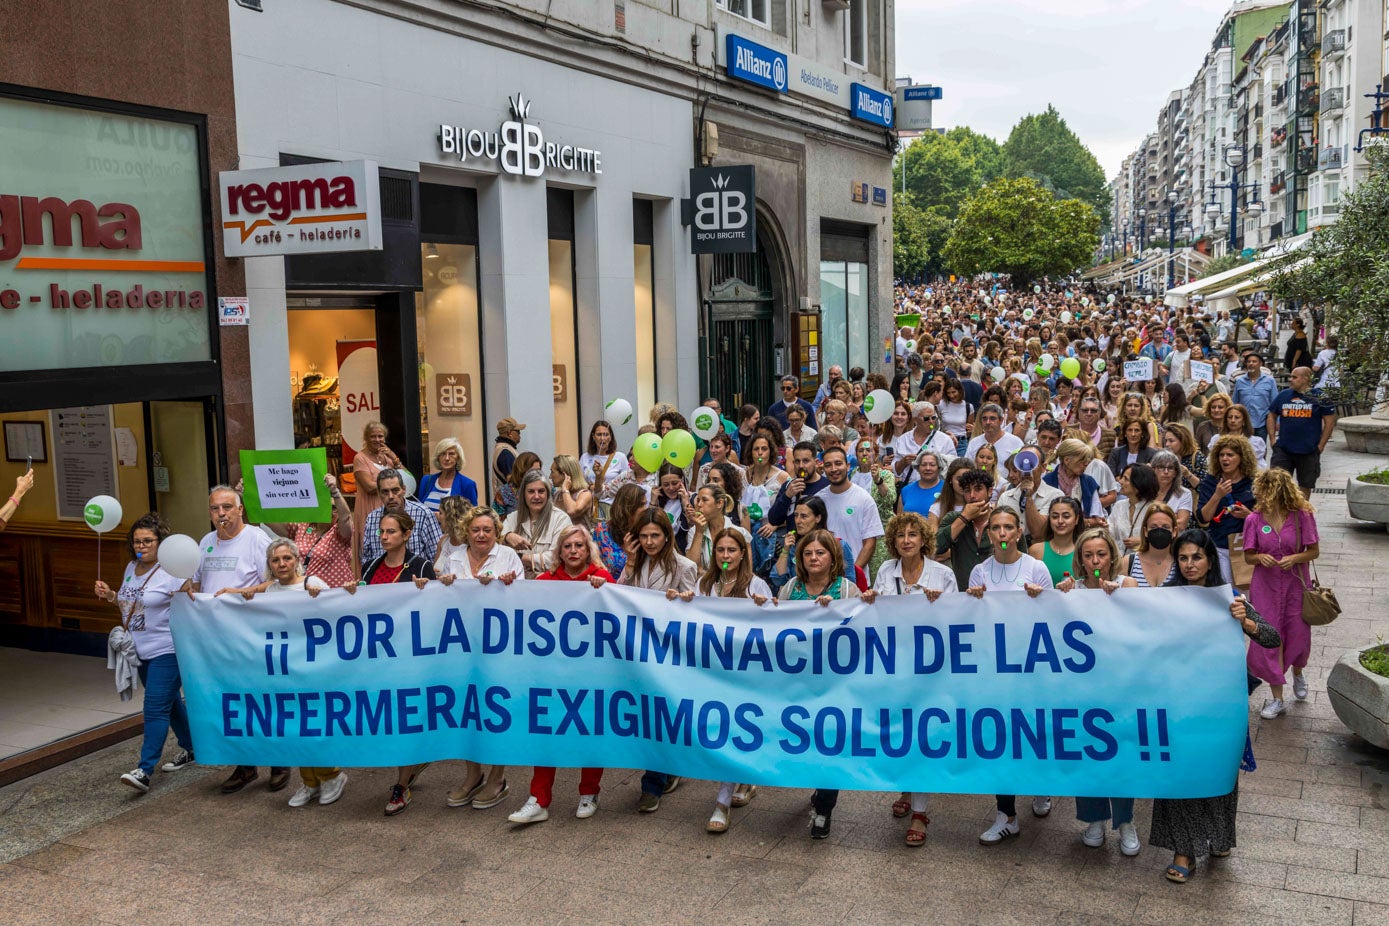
<point x="1070" y="368"/>
<point x="646" y="449"/>
<point x="678" y="447"/>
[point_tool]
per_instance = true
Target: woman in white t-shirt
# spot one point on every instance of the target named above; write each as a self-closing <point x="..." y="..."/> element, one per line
<point x="1009" y="569"/>
<point x="287" y="575"/>
<point x="604" y="466"/>
<point x="144" y="600"/>
<point x="1171" y="492"/>
<point x="910" y="572"/>
<point x="729" y="575"/>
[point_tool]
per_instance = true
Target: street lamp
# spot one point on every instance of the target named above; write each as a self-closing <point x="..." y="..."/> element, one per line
<point x="1172" y="198"/>
<point x="1142" y="230"/>
<point x="1234" y="157"/>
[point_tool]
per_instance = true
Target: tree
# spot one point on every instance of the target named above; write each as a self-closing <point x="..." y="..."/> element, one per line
<point x="1043" y="147"/>
<point x="918" y="238"/>
<point x="1016" y="226"/>
<point x="942" y="170"/>
<point x="1344" y="271"/>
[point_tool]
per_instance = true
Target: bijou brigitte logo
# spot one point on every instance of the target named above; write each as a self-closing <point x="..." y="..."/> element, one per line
<point x="518" y="147"/>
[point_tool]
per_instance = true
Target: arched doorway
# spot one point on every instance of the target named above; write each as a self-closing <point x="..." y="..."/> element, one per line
<point x="747" y="294"/>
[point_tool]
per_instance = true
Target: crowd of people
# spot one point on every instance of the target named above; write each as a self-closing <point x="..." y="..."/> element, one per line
<point x="1016" y="457"/>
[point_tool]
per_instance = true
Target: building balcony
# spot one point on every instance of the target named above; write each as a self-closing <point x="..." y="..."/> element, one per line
<point x="1280" y="94"/>
<point x="1256" y="152"/>
<point x="1330" y="159"/>
<point x="1333" y="99"/>
<point x="1333" y="44"/>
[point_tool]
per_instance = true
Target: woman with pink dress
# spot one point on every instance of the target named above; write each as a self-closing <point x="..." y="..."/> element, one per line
<point x="1280" y="538"/>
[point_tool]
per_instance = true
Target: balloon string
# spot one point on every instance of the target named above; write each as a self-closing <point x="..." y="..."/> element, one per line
<point x="98" y="557"/>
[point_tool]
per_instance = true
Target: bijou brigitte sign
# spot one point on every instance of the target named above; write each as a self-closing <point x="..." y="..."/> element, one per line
<point x="302" y="209"/>
<point x="102" y="247"/>
<point x="518" y="147"/>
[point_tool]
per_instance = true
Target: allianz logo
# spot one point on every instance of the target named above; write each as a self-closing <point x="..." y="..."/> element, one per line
<point x="878" y="106"/>
<point x="772" y="69"/>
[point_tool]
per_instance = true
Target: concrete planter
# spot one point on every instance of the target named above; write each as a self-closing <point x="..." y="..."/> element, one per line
<point x="1367" y="501"/>
<point x="1360" y="698"/>
<point x="1366" y="433"/>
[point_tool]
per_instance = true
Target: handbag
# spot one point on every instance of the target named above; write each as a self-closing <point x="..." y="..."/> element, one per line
<point x="1241" y="573"/>
<point x="1319" y="604"/>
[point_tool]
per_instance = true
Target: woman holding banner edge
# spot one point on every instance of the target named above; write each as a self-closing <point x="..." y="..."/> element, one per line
<point x="1192" y="827"/>
<point x="909" y="572"/>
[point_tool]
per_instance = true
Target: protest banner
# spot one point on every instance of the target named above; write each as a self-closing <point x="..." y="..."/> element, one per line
<point x="1138" y="370"/>
<point x="1008" y="694"/>
<point x="286" y="486"/>
<point x="1202" y="372"/>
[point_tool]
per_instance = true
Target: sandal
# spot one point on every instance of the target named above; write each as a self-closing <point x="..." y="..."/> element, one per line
<point x="718" y="823"/>
<point x="916" y="837"/>
<point x="494" y="800"/>
<point x="744" y="795"/>
<point x="902" y="807"/>
<point x="1225" y="854"/>
<point x="1178" y="874"/>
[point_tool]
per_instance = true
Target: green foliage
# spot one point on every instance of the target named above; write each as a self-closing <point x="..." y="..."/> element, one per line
<point x="1042" y="147"/>
<point x="1016" y="226"/>
<point x="1222" y="263"/>
<point x="942" y="170"/>
<point x="1379" y="477"/>
<point x="918" y="238"/>
<point x="1377" y="659"/>
<point x="1348" y="276"/>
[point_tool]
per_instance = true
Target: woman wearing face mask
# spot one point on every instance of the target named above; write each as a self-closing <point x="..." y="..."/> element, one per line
<point x="578" y="561"/>
<point x="1057" y="548"/>
<point x="1171" y="492"/>
<point x="144" y="601"/>
<point x="729" y="575"/>
<point x="1009" y="569"/>
<point x="910" y="572"/>
<point x="1097" y="564"/>
<point x="532" y="529"/>
<point x="1152" y="565"/>
<point x="1192" y="827"/>
<point x="654" y="562"/>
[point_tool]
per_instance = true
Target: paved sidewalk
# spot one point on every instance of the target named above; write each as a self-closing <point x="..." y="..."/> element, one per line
<point x="1313" y="837"/>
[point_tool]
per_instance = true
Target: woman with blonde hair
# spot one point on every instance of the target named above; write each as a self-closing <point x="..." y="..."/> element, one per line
<point x="1280" y="539"/>
<point x="572" y="493"/>
<point x="367" y="464"/>
<point x="1226" y="496"/>
<point x="448" y="478"/>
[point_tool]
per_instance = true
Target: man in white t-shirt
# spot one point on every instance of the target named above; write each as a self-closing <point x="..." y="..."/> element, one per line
<point x="926" y="435"/>
<point x="991" y="421"/>
<point x="233" y="556"/>
<point x="853" y="515"/>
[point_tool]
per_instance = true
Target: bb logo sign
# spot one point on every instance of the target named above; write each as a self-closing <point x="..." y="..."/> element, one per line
<point x="722" y="210"/>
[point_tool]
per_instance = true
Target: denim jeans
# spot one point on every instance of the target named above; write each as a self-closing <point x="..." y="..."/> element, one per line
<point x="1099" y="809"/>
<point x="654" y="783"/>
<point x="163" y="709"/>
<point x="763" y="548"/>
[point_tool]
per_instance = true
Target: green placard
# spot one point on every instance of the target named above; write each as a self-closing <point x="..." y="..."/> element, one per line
<point x="286" y="486"/>
<point x="909" y="320"/>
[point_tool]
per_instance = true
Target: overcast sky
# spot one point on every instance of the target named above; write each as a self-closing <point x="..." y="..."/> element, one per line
<point x="1107" y="65"/>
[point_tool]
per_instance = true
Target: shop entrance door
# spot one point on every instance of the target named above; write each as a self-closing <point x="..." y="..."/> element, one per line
<point x="741" y="308"/>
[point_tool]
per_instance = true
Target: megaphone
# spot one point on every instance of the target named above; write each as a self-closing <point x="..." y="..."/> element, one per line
<point x="1027" y="459"/>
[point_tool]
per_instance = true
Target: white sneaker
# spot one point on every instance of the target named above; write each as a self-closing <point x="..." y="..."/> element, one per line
<point x="530" y="812"/>
<point x="1001" y="830"/>
<point x="1128" y="840"/>
<point x="1300" y="687"/>
<point x="588" y="806"/>
<point x="1094" y="834"/>
<point x="332" y="788"/>
<point x="1272" y="709"/>
<point x="303" y="796"/>
<point x="1041" y="806"/>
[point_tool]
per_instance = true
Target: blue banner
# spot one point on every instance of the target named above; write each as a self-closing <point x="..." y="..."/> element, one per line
<point x="870" y="105"/>
<point x="755" y="64"/>
<point x="1138" y="694"/>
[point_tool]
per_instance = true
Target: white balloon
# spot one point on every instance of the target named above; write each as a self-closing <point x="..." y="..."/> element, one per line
<point x="1065" y="318"/>
<point x="877" y="406"/>
<point x="1099" y="366"/>
<point x="1111" y="299"/>
<point x="1037" y="289"/>
<point x="1084" y="300"/>
<point x="179" y="556"/>
<point x="997" y="374"/>
<point x="1027" y="314"/>
<point x="619" y="411"/>
<point x="409" y="479"/>
<point x="704" y="422"/>
<point x="1048" y="361"/>
<point x="102" y="513"/>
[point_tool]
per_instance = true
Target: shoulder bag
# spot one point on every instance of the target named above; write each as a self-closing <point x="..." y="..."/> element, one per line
<point x="1319" y="604"/>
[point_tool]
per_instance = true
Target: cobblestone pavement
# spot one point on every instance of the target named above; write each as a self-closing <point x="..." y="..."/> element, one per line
<point x="1313" y="837"/>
